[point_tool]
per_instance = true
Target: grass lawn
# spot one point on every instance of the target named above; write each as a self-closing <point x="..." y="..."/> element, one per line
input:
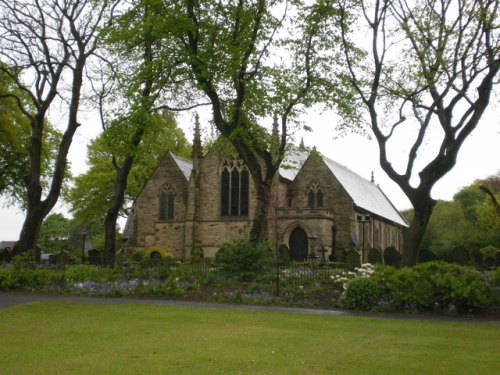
<point x="66" y="337"/>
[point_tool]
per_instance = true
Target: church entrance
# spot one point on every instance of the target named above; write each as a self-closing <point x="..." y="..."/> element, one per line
<point x="299" y="245"/>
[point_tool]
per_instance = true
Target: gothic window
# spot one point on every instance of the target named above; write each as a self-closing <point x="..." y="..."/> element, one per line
<point x="166" y="203"/>
<point x="315" y="196"/>
<point x="235" y="180"/>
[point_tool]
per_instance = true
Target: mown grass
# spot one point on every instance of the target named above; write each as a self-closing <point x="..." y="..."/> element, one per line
<point x="76" y="338"/>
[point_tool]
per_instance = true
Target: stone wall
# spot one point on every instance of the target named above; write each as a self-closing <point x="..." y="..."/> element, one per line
<point x="148" y="230"/>
<point x="197" y="212"/>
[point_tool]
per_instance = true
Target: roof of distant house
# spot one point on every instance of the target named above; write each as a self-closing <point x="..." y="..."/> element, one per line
<point x="7" y="245"/>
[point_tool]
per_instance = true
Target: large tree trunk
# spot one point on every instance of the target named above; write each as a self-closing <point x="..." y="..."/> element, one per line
<point x="415" y="233"/>
<point x="260" y="227"/>
<point x="29" y="232"/>
<point x="114" y="208"/>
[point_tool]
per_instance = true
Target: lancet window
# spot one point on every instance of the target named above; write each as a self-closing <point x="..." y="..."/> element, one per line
<point x="235" y="180"/>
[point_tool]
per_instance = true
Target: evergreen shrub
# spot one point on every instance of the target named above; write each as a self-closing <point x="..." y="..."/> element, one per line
<point x="243" y="260"/>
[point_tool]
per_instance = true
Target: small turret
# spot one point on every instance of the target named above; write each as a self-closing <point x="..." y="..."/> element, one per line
<point x="197" y="151"/>
<point x="301" y="146"/>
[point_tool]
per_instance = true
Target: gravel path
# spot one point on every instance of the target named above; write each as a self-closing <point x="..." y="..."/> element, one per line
<point x="9" y="299"/>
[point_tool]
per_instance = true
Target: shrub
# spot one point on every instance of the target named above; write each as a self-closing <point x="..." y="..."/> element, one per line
<point x="197" y="254"/>
<point x="87" y="272"/>
<point x="243" y="260"/>
<point x="432" y="286"/>
<point x="361" y="293"/>
<point x="455" y="287"/>
<point x="409" y="291"/>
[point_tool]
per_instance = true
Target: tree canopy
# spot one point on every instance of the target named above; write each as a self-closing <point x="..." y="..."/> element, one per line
<point x="93" y="191"/>
<point x="427" y="73"/>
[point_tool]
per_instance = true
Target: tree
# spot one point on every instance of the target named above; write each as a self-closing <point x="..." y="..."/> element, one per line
<point x="54" y="233"/>
<point x="143" y="71"/>
<point x="14" y="135"/>
<point x="468" y="221"/>
<point x="14" y="141"/>
<point x="237" y="55"/>
<point x="429" y="73"/>
<point x="93" y="191"/>
<point x="46" y="45"/>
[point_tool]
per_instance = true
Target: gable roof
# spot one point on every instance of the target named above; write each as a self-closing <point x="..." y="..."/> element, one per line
<point x="186" y="166"/>
<point x="365" y="194"/>
<point x="292" y="163"/>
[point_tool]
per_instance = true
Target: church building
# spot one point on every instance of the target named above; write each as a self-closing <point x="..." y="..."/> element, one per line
<point x="321" y="209"/>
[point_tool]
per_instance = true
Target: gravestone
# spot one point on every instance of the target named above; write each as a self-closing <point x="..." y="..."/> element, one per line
<point x="392" y="257"/>
<point x="284" y="255"/>
<point x="353" y="259"/>
<point x="375" y="256"/>
<point x="425" y="255"/>
<point x="62" y="258"/>
<point x="94" y="257"/>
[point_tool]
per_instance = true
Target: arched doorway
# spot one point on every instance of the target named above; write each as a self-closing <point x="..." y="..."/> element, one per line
<point x="299" y="244"/>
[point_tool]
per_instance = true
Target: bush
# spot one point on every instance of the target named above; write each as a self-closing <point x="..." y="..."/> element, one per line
<point x="243" y="260"/>
<point x="432" y="286"/>
<point x="156" y="253"/>
<point x="197" y="254"/>
<point x="23" y="278"/>
<point x="455" y="287"/>
<point x="361" y="293"/>
<point x="87" y="272"/>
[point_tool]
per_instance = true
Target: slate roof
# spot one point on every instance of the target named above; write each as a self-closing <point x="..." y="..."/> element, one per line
<point x="365" y="194"/>
<point x="186" y="166"/>
<point x="292" y="163"/>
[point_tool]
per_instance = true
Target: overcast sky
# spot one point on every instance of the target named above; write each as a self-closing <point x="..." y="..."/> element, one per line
<point x="479" y="158"/>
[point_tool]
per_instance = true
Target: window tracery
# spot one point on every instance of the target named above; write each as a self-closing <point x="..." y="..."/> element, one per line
<point x="315" y="197"/>
<point x="234" y="188"/>
<point x="166" y="199"/>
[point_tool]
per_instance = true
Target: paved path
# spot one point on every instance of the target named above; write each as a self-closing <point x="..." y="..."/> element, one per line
<point x="8" y="299"/>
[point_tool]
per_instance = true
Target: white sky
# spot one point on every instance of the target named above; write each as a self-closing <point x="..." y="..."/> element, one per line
<point x="479" y="158"/>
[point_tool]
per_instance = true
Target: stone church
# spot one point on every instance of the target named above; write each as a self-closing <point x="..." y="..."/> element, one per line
<point x="321" y="209"/>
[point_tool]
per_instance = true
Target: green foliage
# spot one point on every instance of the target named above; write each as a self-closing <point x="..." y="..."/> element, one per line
<point x="432" y="286"/>
<point x="243" y="260"/>
<point x="85" y="272"/>
<point x="54" y="233"/>
<point x="93" y="191"/>
<point x="15" y="138"/>
<point x="362" y="293"/>
<point x="470" y="220"/>
<point x="29" y="279"/>
<point x="23" y="260"/>
<point x="197" y="254"/>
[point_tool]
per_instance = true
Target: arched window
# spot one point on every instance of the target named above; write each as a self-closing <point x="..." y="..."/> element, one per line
<point x="315" y="195"/>
<point x="166" y="200"/>
<point x="234" y="189"/>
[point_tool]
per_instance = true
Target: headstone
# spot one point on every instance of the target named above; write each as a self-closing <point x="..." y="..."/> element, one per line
<point x="62" y="258"/>
<point x="284" y="255"/>
<point x="375" y="256"/>
<point x="392" y="257"/>
<point x="353" y="259"/>
<point x="94" y="257"/>
<point x="425" y="255"/>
